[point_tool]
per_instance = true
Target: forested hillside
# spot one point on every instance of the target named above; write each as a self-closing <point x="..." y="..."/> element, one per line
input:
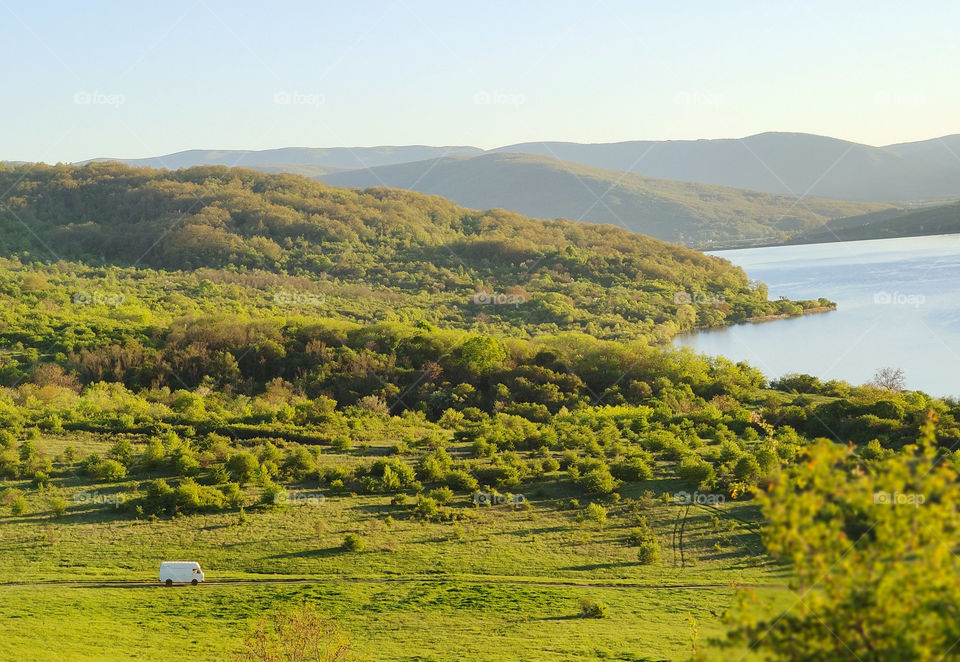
<point x="942" y="219"/>
<point x="378" y="254"/>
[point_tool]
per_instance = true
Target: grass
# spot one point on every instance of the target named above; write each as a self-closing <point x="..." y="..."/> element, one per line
<point x="504" y="584"/>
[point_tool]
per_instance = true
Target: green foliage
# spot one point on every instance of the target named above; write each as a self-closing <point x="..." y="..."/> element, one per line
<point x="694" y="469"/>
<point x="352" y="542"/>
<point x="58" y="506"/>
<point x="598" y="480"/>
<point x="597" y="513"/>
<point x="867" y="546"/>
<point x="590" y="608"/>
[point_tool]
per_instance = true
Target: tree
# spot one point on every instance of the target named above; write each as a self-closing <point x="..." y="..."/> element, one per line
<point x="481" y="355"/>
<point x="891" y="379"/>
<point x="871" y="545"/>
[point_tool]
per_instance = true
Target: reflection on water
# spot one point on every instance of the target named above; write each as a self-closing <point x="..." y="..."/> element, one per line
<point x="898" y="305"/>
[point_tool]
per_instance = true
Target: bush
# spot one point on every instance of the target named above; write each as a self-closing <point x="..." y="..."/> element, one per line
<point x="431" y="468"/>
<point x="550" y="465"/>
<point x="232" y="495"/>
<point x="374" y="404"/>
<point x="58" y="506"/>
<point x="191" y="497"/>
<point x="352" y="542"/>
<point x="18" y="506"/>
<point x="273" y="495"/>
<point x="633" y="468"/>
<point x="458" y="479"/>
<point x="242" y="466"/>
<point x="342" y="443"/>
<point x="442" y="495"/>
<point x="40" y="480"/>
<point x="597" y="513"/>
<point x="299" y="463"/>
<point x="694" y="469"/>
<point x="593" y="608"/>
<point x="598" y="481"/>
<point x="427" y="508"/>
<point x="648" y="553"/>
<point x="108" y="471"/>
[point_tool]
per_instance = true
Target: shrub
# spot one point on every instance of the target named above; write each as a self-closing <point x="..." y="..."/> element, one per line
<point x="374" y="404"/>
<point x="18" y="506"/>
<point x="692" y="468"/>
<point x="597" y="513"/>
<point x="598" y="481"/>
<point x="352" y="542"/>
<point x="273" y="495"/>
<point x="232" y="495"/>
<point x="427" y="508"/>
<point x="341" y="443"/>
<point x="299" y="463"/>
<point x="648" y="552"/>
<point x="109" y="471"/>
<point x="458" y="479"/>
<point x="58" y="506"/>
<point x="633" y="468"/>
<point x="431" y="468"/>
<point x="40" y="480"/>
<point x="593" y="608"/>
<point x="442" y="495"/>
<point x="191" y="497"/>
<point x="242" y="466"/>
<point x="550" y="465"/>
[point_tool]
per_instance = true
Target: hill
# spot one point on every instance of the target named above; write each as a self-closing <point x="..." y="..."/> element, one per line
<point x="379" y="254"/>
<point x="944" y="151"/>
<point x="942" y="219"/>
<point x="334" y="157"/>
<point x="781" y="163"/>
<point x="693" y="214"/>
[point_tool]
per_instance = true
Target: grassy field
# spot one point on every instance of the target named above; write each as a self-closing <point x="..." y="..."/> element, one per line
<point x="504" y="583"/>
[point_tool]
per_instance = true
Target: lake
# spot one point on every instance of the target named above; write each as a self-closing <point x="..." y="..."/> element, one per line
<point x="898" y="305"/>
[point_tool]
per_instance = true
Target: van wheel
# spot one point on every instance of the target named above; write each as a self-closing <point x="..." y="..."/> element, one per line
<point x="194" y="582"/>
<point x="169" y="582"/>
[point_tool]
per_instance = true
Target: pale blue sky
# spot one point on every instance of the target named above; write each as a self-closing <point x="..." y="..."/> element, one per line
<point x="130" y="79"/>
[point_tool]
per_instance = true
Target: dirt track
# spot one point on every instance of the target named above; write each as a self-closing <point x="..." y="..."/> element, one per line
<point x="422" y="580"/>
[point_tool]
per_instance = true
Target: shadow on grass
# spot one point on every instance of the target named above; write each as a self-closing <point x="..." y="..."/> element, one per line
<point x="601" y="566"/>
<point x="326" y="552"/>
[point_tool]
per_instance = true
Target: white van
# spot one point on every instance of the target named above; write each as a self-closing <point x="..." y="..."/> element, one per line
<point x="180" y="572"/>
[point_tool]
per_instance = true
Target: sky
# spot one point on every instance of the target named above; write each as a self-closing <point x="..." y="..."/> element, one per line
<point x="130" y="79"/>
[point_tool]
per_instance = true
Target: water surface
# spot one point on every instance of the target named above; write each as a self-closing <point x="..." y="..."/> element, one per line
<point x="898" y="306"/>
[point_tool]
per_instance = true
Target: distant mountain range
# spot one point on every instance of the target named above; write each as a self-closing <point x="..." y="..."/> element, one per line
<point x="332" y="157"/>
<point x="766" y="188"/>
<point x="783" y="163"/>
<point x="693" y="214"/>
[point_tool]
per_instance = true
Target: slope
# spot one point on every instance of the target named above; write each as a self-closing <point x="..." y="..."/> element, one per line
<point x="694" y="214"/>
<point x="380" y="254"/>
<point x="942" y="219"/>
